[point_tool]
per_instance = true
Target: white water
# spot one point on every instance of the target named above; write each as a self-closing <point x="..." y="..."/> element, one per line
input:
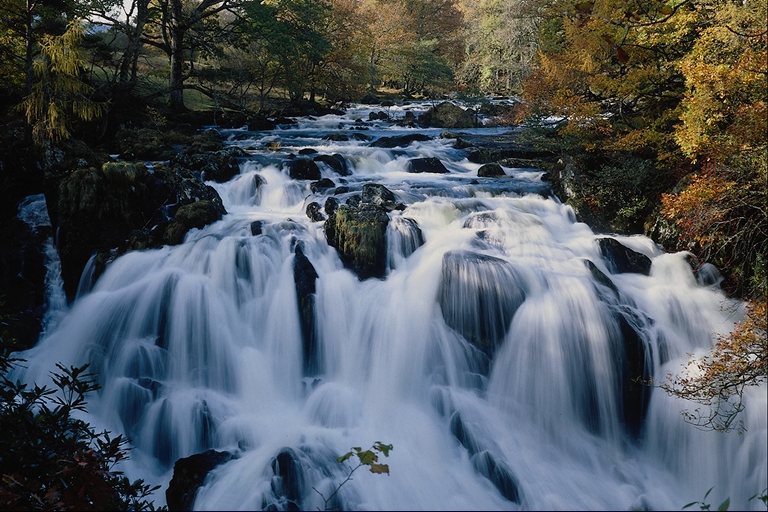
<point x="199" y="346"/>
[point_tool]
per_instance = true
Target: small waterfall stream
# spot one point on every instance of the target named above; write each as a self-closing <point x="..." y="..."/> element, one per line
<point x="496" y="355"/>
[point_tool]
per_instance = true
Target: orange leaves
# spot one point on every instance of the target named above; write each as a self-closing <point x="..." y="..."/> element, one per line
<point x="698" y="208"/>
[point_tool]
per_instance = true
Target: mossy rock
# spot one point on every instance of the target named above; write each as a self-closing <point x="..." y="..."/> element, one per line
<point x="448" y="115"/>
<point x="359" y="234"/>
<point x="490" y="171"/>
<point x="189" y="216"/>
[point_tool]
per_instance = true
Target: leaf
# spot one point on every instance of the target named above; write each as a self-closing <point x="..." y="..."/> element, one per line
<point x="724" y="505"/>
<point x="383" y="448"/>
<point x="380" y="469"/>
<point x="367" y="457"/>
<point x="345" y="457"/>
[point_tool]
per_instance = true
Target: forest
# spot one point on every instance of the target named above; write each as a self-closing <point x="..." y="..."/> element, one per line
<point x="652" y="116"/>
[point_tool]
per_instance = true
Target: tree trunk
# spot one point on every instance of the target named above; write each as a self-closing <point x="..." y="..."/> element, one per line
<point x="29" y="48"/>
<point x="129" y="62"/>
<point x="178" y="31"/>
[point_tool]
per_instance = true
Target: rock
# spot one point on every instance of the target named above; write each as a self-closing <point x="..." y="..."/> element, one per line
<point x="189" y="475"/>
<point x="359" y="234"/>
<point x="360" y="136"/>
<point x="387" y="103"/>
<point x="635" y="373"/>
<point x="307" y="151"/>
<point x="370" y="99"/>
<point x="448" y="115"/>
<point x="380" y="115"/>
<point x="399" y="140"/>
<point x="288" y="482"/>
<point x="257" y="227"/>
<point x="478" y="297"/>
<point x="409" y="119"/>
<point x="490" y="171"/>
<point x="430" y="164"/>
<point x="330" y="205"/>
<point x="193" y="215"/>
<point x="22" y="281"/>
<point x="337" y="137"/>
<point x="335" y="162"/>
<point x="305" y="276"/>
<point x="378" y="195"/>
<point x="260" y="123"/>
<point x="218" y="166"/>
<point x="114" y="207"/>
<point x="498" y="474"/>
<point x="601" y="278"/>
<point x="314" y="212"/>
<point x="341" y="190"/>
<point x="462" y="434"/>
<point x="354" y="200"/>
<point x="303" y="169"/>
<point x="323" y="184"/>
<point x="621" y="259"/>
<point x="151" y="144"/>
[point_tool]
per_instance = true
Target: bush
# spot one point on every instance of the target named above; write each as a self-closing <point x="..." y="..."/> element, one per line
<point x="50" y="460"/>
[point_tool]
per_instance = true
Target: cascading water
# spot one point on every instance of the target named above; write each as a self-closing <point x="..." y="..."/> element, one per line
<point x="496" y="355"/>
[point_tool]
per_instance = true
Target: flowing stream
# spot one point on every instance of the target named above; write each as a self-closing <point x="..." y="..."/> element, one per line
<point x="494" y="356"/>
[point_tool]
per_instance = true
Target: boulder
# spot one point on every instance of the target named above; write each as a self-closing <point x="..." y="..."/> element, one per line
<point x="378" y="195"/>
<point x="303" y="169"/>
<point x="499" y="474"/>
<point x="305" y="277"/>
<point x="490" y="171"/>
<point x="257" y="227"/>
<point x="314" y="212"/>
<point x="258" y="123"/>
<point x="320" y="185"/>
<point x="337" y="137"/>
<point x="330" y="205"/>
<point x="621" y="259"/>
<point x="399" y="140"/>
<point x="601" y="278"/>
<point x="288" y="482"/>
<point x="189" y="475"/>
<point x="478" y="296"/>
<point x="636" y="372"/>
<point x="335" y="162"/>
<point x="359" y="234"/>
<point x="378" y="116"/>
<point x="189" y="216"/>
<point x="218" y="166"/>
<point x="307" y="151"/>
<point x="448" y="115"/>
<point x="429" y="164"/>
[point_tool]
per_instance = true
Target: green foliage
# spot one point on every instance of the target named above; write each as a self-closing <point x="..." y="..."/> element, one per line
<point x="726" y="504"/>
<point x="369" y="458"/>
<point x="50" y="459"/>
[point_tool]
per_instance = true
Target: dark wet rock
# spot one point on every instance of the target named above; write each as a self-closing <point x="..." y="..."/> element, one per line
<point x="123" y="206"/>
<point x="478" y="296"/>
<point x="429" y="164"/>
<point x="337" y="137"/>
<point x="330" y="205"/>
<point x="621" y="259"/>
<point x="288" y="482"/>
<point x="370" y="99"/>
<point x="218" y="166"/>
<point x="320" y="185"/>
<point x="359" y="234"/>
<point x="400" y="140"/>
<point x="257" y="227"/>
<point x="189" y="216"/>
<point x="260" y="123"/>
<point x="22" y="281"/>
<point x="601" y="278"/>
<point x="189" y="475"/>
<point x="387" y="103"/>
<point x="546" y="177"/>
<point x="409" y="120"/>
<point x="502" y="148"/>
<point x="353" y="200"/>
<point x="307" y="151"/>
<point x="462" y="433"/>
<point x="378" y="116"/>
<point x="305" y="277"/>
<point x="341" y="190"/>
<point x="303" y="169"/>
<point x="448" y="115"/>
<point x="315" y="212"/>
<point x="378" y="195"/>
<point x="490" y="171"/>
<point x="708" y="275"/>
<point x="498" y="474"/>
<point x="636" y="373"/>
<point x="360" y="136"/>
<point x="336" y="162"/>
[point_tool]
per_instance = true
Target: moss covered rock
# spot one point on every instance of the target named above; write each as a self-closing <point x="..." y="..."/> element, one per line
<point x="448" y="115"/>
<point x="359" y="234"/>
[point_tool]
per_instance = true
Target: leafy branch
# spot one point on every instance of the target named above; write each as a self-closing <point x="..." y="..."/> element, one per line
<point x="368" y="458"/>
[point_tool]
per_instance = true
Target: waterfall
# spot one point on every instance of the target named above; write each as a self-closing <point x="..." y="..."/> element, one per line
<point x="498" y="354"/>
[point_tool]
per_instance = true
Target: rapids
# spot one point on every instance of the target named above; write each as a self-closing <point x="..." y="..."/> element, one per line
<point x="493" y="356"/>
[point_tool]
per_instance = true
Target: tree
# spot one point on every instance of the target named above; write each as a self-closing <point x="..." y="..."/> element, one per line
<point x="717" y="381"/>
<point x="58" y="95"/>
